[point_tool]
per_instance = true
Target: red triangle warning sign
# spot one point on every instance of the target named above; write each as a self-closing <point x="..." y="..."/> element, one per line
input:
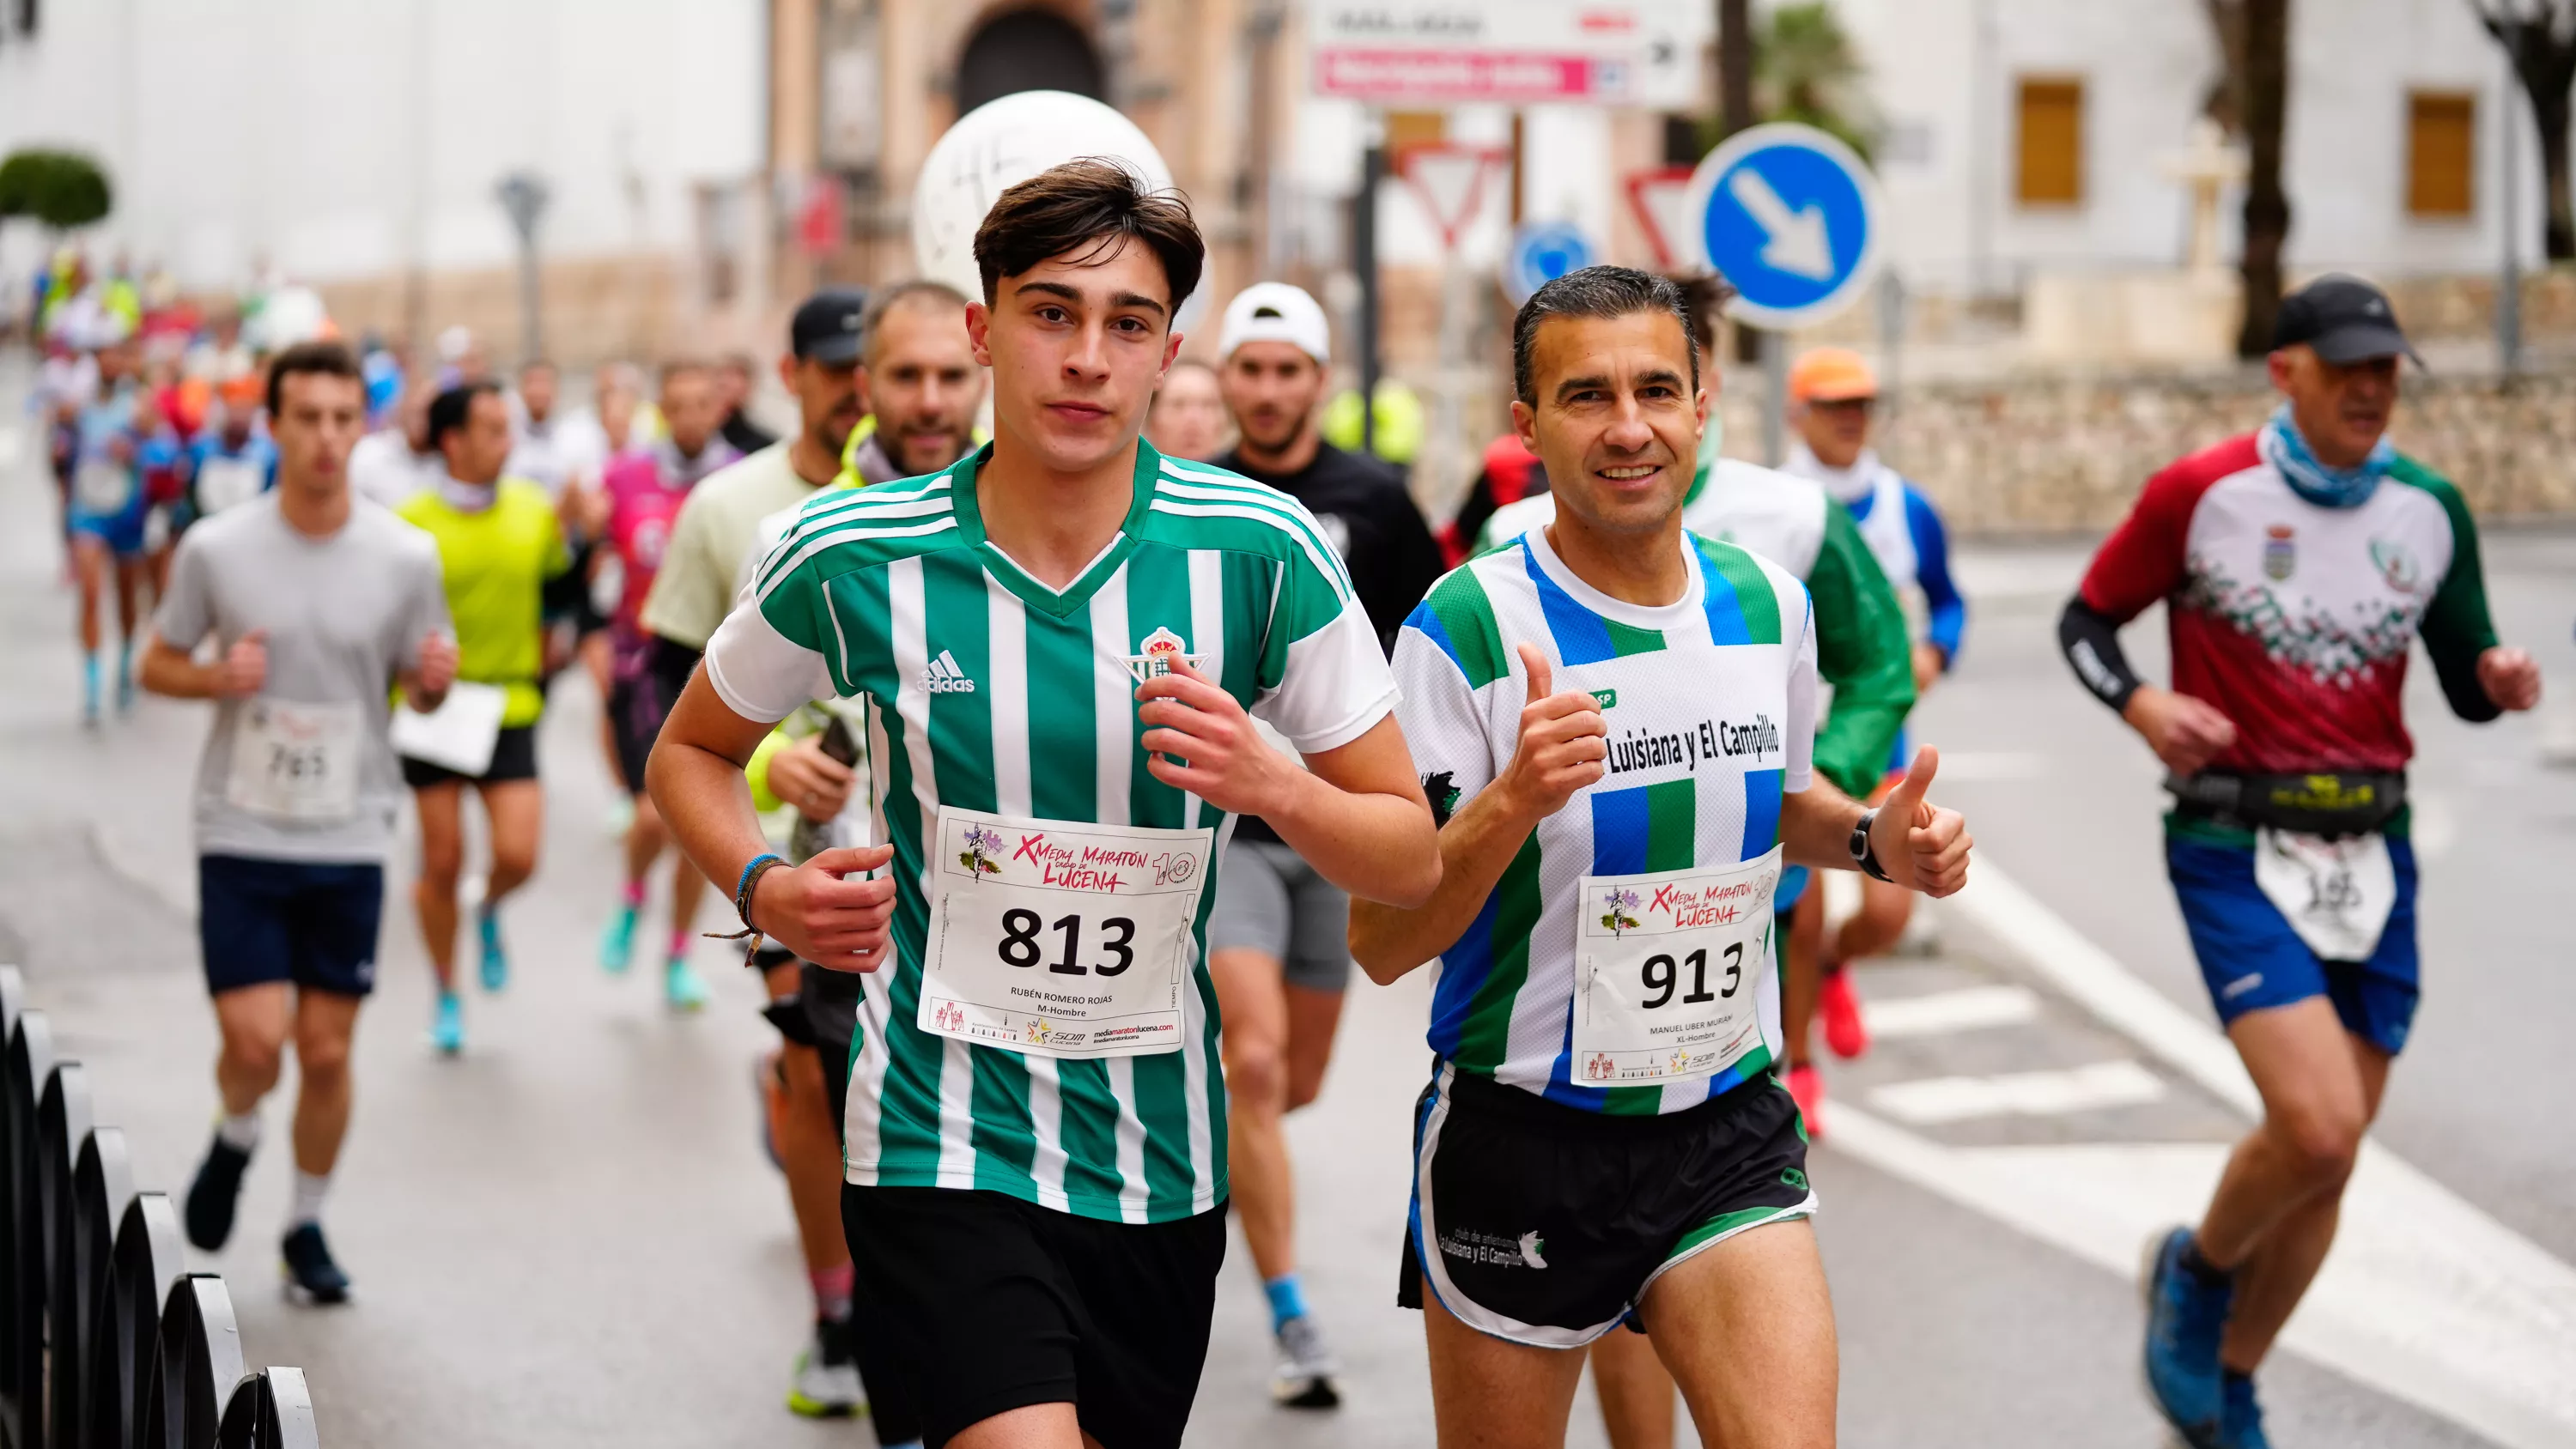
<point x="1660" y="198"/>
<point x="1450" y="180"/>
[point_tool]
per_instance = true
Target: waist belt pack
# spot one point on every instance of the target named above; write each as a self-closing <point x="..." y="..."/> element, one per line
<point x="2333" y="802"/>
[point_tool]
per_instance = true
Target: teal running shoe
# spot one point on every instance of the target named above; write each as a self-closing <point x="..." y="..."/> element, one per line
<point x="447" y="1028"/>
<point x="496" y="961"/>
<point x="2185" y="1319"/>
<point x="682" y="986"/>
<point x="2240" y="1421"/>
<point x="617" y="943"/>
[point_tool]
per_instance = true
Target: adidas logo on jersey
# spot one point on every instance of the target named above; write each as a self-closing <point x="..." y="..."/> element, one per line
<point x="942" y="676"/>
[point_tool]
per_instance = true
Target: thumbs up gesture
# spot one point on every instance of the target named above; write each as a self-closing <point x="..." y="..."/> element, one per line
<point x="1921" y="846"/>
<point x="1564" y="742"/>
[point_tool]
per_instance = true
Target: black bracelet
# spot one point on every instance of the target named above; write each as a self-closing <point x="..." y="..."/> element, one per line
<point x="1864" y="852"/>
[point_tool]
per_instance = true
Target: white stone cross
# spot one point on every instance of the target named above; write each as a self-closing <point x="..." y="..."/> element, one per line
<point x="2208" y="166"/>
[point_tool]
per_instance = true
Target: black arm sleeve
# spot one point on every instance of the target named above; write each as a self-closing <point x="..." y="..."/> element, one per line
<point x="2091" y="643"/>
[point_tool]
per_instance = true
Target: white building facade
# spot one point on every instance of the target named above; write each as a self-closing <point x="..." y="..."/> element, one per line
<point x="333" y="141"/>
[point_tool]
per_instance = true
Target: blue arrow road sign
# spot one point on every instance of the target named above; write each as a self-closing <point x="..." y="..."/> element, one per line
<point x="1543" y="251"/>
<point x="1789" y="215"/>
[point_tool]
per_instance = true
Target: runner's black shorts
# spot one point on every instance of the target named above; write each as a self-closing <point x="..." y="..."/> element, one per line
<point x="1545" y="1224"/>
<point x="1005" y="1304"/>
<point x="637" y="705"/>
<point x="514" y="757"/>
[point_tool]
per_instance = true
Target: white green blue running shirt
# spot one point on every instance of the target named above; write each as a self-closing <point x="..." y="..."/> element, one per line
<point x="1503" y="996"/>
<point x="987" y="690"/>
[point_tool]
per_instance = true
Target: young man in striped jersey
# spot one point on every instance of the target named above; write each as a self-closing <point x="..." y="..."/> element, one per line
<point x="1057" y="643"/>
<point x="1617" y="719"/>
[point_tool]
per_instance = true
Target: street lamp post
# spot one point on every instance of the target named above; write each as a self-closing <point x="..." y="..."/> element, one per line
<point x="523" y="195"/>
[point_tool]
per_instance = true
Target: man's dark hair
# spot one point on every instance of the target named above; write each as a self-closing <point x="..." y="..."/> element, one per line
<point x="1603" y="292"/>
<point x="1707" y="295"/>
<point x="1092" y="206"/>
<point x="449" y="410"/>
<point x="328" y="359"/>
<point x="910" y="292"/>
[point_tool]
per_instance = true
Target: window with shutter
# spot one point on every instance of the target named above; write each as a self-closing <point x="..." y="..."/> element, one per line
<point x="2441" y="153"/>
<point x="2051" y="132"/>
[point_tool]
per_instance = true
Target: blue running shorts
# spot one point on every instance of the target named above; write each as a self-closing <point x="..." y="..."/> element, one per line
<point x="2250" y="957"/>
<point x="289" y="920"/>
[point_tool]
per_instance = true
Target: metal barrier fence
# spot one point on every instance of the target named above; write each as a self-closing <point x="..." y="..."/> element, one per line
<point x="107" y="1341"/>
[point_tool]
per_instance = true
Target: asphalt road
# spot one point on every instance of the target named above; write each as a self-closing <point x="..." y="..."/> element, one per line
<point x="569" y="1236"/>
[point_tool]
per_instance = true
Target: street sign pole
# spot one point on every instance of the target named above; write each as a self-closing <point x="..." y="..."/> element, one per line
<point x="1775" y="408"/>
<point x="1364" y="262"/>
<point x="2508" y="317"/>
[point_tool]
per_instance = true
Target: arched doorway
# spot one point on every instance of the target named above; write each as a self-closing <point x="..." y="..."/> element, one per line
<point x="1028" y="50"/>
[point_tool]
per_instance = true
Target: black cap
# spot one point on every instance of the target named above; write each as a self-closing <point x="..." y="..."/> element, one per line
<point x="826" y="327"/>
<point x="2344" y="318"/>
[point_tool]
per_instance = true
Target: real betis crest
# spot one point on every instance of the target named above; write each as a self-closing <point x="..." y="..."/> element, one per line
<point x="1156" y="654"/>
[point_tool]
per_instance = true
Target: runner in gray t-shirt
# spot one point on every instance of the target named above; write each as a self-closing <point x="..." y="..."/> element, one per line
<point x="317" y="605"/>
<point x="336" y="618"/>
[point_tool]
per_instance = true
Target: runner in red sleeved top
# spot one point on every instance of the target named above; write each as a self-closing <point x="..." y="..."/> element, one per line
<point x="642" y="491"/>
<point x="2297" y="565"/>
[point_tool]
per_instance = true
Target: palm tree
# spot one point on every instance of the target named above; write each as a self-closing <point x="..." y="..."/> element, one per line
<point x="1805" y="70"/>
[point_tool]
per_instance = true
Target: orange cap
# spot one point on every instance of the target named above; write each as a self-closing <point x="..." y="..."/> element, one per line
<point x="1831" y="374"/>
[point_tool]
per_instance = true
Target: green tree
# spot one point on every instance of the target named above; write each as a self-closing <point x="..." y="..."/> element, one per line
<point x="61" y="189"/>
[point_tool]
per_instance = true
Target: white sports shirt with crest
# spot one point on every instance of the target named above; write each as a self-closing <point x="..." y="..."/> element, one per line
<point x="987" y="690"/>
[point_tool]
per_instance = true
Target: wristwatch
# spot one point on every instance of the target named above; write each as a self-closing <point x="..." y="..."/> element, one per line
<point x="1862" y="854"/>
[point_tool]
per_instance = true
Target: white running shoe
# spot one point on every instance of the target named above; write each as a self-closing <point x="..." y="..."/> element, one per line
<point x="826" y="1385"/>
<point x="1304" y="1376"/>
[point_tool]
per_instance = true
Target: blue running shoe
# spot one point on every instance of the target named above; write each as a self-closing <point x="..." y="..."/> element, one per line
<point x="2240" y="1422"/>
<point x="496" y="961"/>
<point x="447" y="1028"/>
<point x="682" y="986"/>
<point x="617" y="943"/>
<point x="2185" y="1318"/>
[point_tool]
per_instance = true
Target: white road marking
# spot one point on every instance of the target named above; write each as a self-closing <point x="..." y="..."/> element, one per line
<point x="1939" y="1013"/>
<point x="1981" y="766"/>
<point x="2019" y="1094"/>
<point x="2424" y="1297"/>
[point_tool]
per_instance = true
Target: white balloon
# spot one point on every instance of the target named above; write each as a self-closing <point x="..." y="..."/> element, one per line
<point x="1006" y="141"/>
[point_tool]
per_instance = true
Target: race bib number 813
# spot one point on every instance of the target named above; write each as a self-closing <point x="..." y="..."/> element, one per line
<point x="1059" y="938"/>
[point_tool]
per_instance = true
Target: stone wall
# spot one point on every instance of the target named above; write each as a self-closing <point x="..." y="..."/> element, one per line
<point x="2030" y="455"/>
<point x="596" y="309"/>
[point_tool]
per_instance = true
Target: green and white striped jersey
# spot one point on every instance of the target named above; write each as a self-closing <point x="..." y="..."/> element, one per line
<point x="986" y="690"/>
<point x="1711" y="704"/>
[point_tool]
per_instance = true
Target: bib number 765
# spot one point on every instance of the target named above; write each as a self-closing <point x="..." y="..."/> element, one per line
<point x="1662" y="974"/>
<point x="1019" y="945"/>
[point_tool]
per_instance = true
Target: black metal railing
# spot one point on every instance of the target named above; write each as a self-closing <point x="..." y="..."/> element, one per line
<point x="107" y="1341"/>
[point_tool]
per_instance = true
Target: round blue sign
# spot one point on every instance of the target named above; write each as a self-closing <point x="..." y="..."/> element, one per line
<point x="1543" y="251"/>
<point x="1789" y="216"/>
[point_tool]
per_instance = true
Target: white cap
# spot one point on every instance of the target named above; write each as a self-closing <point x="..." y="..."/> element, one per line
<point x="1276" y="312"/>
